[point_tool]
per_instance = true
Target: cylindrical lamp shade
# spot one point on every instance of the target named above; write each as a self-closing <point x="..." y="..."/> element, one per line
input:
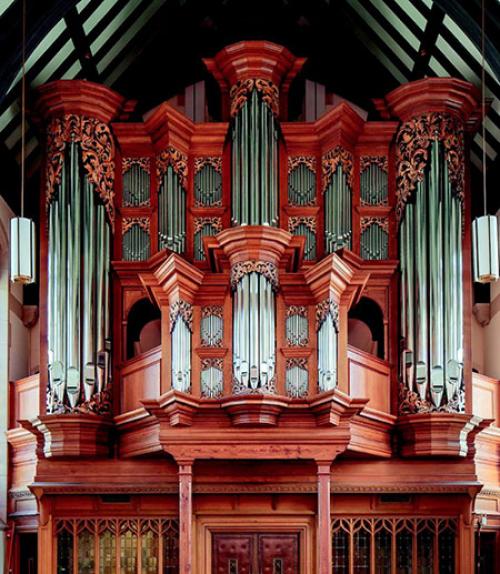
<point x="485" y="249"/>
<point x="22" y="250"/>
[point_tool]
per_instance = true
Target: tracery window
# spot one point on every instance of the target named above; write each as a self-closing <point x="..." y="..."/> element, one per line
<point x="117" y="546"/>
<point x="390" y="544"/>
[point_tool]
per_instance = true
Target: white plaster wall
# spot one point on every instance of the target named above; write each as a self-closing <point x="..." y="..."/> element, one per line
<point x="477" y="346"/>
<point x="492" y="335"/>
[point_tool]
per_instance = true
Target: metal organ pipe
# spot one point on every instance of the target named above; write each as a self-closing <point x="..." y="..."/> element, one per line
<point x="327" y="352"/>
<point x="254" y="344"/>
<point x="78" y="290"/>
<point x="172" y="212"/>
<point x="254" y="164"/>
<point x="431" y="289"/>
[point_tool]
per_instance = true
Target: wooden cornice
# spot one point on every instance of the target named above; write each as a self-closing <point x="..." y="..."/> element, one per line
<point x="433" y="95"/>
<point x="168" y="127"/>
<point x="341" y="126"/>
<point x="254" y="242"/>
<point x="254" y="59"/>
<point x="78" y="97"/>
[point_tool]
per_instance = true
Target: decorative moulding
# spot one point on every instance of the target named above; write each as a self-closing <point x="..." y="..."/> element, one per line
<point x="434" y="94"/>
<point x="79" y="97"/>
<point x="254" y="410"/>
<point x="438" y="434"/>
<point x="72" y="435"/>
<point x="254" y="243"/>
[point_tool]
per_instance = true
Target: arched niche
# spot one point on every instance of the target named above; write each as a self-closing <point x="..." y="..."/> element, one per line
<point x="366" y="327"/>
<point x="143" y="327"/>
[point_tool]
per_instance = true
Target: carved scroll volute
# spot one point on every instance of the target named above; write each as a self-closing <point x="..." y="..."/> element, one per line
<point x="245" y="66"/>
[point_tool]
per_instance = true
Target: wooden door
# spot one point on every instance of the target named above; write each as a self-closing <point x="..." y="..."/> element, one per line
<point x="255" y="553"/>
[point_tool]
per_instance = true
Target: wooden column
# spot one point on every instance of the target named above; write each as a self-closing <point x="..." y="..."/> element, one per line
<point x="324" y="529"/>
<point x="186" y="517"/>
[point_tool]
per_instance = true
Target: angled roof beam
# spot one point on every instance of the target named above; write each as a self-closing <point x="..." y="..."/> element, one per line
<point x="82" y="46"/>
<point x="431" y="33"/>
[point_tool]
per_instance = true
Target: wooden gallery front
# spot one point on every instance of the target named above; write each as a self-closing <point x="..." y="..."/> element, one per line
<point x="255" y="334"/>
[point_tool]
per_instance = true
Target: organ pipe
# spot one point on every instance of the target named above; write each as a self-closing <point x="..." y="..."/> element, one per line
<point x="78" y="291"/>
<point x="172" y="212"/>
<point x="254" y="164"/>
<point x="337" y="212"/>
<point x="180" y="321"/>
<point x="254" y="344"/>
<point x="431" y="292"/>
<point x="327" y="346"/>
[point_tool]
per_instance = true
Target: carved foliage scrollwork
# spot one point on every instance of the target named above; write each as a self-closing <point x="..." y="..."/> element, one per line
<point x="184" y="310"/>
<point x="330" y="163"/>
<point x="143" y="162"/>
<point x="294" y="222"/>
<point x="242" y="268"/>
<point x="214" y="222"/>
<point x="295" y="161"/>
<point x="410" y="402"/>
<point x="142" y="222"/>
<point x="413" y="145"/>
<point x="212" y="362"/>
<point x="300" y="362"/>
<point x="325" y="308"/>
<point x="242" y="89"/>
<point x="212" y="311"/>
<point x="365" y="161"/>
<point x="96" y="144"/>
<point x="176" y="159"/>
<point x="213" y="161"/>
<point x="382" y="222"/>
<point x="300" y="310"/>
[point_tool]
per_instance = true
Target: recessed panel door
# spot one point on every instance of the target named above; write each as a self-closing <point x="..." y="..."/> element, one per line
<point x="233" y="554"/>
<point x="279" y="554"/>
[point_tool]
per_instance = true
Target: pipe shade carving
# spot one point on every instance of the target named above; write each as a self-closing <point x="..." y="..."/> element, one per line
<point x="78" y="291"/>
<point x="413" y="149"/>
<point x="97" y="153"/>
<point x="432" y="288"/>
<point x="301" y="181"/>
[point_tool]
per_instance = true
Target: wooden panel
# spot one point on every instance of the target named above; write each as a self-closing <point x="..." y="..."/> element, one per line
<point x="140" y="379"/>
<point x="24" y="399"/>
<point x="369" y="377"/>
<point x="485" y="401"/>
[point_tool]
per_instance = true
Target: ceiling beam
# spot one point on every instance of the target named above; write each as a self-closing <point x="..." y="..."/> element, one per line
<point x="82" y="46"/>
<point x="428" y="42"/>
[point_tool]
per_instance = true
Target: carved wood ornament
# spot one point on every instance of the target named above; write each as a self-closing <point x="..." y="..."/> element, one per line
<point x="213" y="161"/>
<point x="143" y="162"/>
<point x="181" y="309"/>
<point x="412" y="149"/>
<point x="382" y="222"/>
<point x="142" y="222"/>
<point x="325" y="308"/>
<point x="269" y="270"/>
<point x="308" y="161"/>
<point x="177" y="160"/>
<point x="365" y="161"/>
<point x="330" y="163"/>
<point x="294" y="222"/>
<point x="214" y="222"/>
<point x="96" y="144"/>
<point x="242" y="89"/>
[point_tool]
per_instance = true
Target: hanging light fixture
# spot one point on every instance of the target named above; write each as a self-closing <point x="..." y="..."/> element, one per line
<point x="485" y="228"/>
<point x="22" y="229"/>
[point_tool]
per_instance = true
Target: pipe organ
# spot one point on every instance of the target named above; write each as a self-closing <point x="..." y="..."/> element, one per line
<point x="430" y="240"/>
<point x="292" y="291"/>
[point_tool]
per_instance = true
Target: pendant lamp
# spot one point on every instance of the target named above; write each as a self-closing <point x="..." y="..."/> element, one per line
<point x="485" y="228"/>
<point x="22" y="229"/>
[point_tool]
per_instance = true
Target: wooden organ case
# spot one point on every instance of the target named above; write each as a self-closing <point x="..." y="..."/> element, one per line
<point x="209" y="400"/>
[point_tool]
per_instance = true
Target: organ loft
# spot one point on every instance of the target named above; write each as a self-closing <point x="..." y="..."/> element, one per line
<point x="255" y="334"/>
